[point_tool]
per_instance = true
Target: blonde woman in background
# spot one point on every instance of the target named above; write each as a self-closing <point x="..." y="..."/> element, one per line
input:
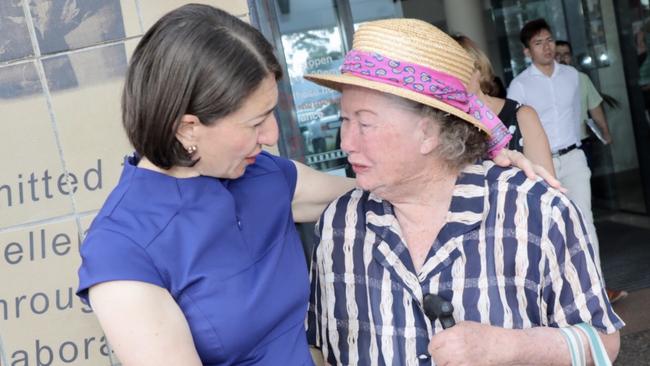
<point x="522" y="121"/>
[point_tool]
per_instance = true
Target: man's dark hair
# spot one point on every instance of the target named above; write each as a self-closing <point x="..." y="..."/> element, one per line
<point x="195" y="60"/>
<point x="564" y="43"/>
<point x="531" y="29"/>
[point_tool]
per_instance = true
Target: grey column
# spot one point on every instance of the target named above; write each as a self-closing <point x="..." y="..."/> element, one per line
<point x="466" y="17"/>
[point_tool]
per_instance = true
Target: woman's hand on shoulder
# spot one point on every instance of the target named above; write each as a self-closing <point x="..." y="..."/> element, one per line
<point x="507" y="158"/>
<point x="143" y="324"/>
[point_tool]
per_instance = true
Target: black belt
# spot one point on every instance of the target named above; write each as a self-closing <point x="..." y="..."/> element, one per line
<point x="565" y="150"/>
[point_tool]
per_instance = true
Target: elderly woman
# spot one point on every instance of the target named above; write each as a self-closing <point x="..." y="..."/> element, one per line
<point x="430" y="217"/>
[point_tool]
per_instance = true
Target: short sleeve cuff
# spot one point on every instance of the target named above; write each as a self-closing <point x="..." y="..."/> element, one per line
<point x="109" y="256"/>
<point x="288" y="168"/>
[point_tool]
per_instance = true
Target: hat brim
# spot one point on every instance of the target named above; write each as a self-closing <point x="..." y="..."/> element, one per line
<point x="338" y="81"/>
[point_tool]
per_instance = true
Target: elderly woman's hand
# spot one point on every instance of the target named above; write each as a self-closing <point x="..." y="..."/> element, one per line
<point x="475" y="344"/>
<point x="507" y="158"/>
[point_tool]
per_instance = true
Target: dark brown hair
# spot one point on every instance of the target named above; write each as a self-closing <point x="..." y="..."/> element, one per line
<point x="531" y="29"/>
<point x="195" y="60"/>
<point x="564" y="43"/>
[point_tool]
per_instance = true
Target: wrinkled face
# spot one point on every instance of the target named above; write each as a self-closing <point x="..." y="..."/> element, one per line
<point x="228" y="146"/>
<point x="563" y="55"/>
<point x="383" y="140"/>
<point x="541" y="48"/>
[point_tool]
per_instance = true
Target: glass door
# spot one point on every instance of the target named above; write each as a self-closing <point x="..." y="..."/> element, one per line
<point x="316" y="51"/>
<point x="632" y="20"/>
<point x="309" y="40"/>
<point x="590" y="26"/>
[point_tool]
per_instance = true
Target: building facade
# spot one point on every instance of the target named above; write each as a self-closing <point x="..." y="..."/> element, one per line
<point x="62" y="64"/>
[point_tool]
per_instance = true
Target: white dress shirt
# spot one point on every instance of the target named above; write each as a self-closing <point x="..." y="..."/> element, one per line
<point x="556" y="100"/>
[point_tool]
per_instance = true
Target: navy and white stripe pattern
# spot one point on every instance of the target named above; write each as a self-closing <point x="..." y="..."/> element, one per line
<point x="513" y="253"/>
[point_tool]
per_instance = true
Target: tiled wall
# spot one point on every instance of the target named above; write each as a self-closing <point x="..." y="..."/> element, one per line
<point x="62" y="64"/>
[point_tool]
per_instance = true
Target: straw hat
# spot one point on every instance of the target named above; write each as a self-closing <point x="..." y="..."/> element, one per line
<point x="413" y="41"/>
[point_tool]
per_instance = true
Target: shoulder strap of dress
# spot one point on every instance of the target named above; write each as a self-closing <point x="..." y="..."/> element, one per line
<point x="509" y="108"/>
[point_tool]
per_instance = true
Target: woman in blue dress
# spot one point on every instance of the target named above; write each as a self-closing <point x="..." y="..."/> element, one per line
<point x="194" y="258"/>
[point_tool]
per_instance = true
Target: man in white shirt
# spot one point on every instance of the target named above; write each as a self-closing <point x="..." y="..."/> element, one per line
<point x="553" y="90"/>
<point x="591" y="100"/>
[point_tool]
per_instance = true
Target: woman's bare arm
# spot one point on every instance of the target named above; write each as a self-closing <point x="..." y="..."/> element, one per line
<point x="314" y="190"/>
<point x="143" y="324"/>
<point x="536" y="146"/>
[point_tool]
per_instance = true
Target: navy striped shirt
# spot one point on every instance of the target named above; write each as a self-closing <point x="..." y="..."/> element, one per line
<point x="513" y="253"/>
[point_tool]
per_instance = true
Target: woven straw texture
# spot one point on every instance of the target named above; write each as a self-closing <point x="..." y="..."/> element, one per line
<point x="409" y="40"/>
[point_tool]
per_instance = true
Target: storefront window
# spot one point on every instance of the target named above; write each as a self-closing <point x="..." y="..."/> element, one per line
<point x="308" y="36"/>
<point x="316" y="51"/>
